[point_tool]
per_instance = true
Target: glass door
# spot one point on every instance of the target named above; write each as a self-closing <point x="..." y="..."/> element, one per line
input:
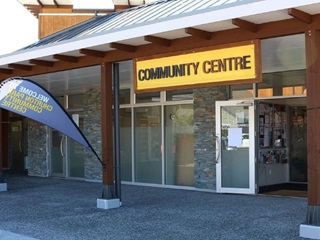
<point x="57" y="154"/>
<point x="16" y="146"/>
<point x="235" y="148"/>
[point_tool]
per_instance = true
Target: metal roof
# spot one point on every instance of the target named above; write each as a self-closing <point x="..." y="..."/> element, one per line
<point x="165" y="19"/>
<point x="139" y="15"/>
<point x="36" y="6"/>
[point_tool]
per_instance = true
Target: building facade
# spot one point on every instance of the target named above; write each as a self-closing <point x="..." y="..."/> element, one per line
<point x="232" y="118"/>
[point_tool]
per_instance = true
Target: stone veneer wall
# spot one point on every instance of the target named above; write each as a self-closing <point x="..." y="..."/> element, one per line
<point x="37" y="154"/>
<point x="204" y="135"/>
<point x="92" y="131"/>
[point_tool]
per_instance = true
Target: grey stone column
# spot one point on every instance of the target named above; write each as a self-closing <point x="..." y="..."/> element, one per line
<point x="204" y="135"/>
<point x="92" y="131"/>
<point x="37" y="153"/>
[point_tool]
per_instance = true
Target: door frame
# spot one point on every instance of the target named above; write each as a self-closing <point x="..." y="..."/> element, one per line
<point x="252" y="146"/>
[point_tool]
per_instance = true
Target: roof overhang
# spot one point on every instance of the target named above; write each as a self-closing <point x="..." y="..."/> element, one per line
<point x="170" y="28"/>
<point x="36" y="6"/>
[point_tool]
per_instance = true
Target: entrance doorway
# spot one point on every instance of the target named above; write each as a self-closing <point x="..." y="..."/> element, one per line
<point x="66" y="155"/>
<point x="235" y="163"/>
<point x="282" y="147"/>
<point x="17" y="145"/>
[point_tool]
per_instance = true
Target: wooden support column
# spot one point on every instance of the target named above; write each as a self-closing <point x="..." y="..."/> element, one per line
<point x="1" y="148"/>
<point x="313" y="125"/>
<point x="107" y="132"/>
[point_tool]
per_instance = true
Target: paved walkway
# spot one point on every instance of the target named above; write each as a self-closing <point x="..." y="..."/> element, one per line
<point x="49" y="208"/>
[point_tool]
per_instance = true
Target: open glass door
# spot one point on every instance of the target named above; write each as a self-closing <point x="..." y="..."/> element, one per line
<point x="236" y="147"/>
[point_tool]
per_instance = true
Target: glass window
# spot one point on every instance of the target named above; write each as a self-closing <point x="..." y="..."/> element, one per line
<point x="124" y="96"/>
<point x="76" y="153"/>
<point x="148" y="163"/>
<point x="283" y="66"/>
<point x="179" y="142"/>
<point x="148" y="97"/>
<point x="75" y="101"/>
<point x="282" y="84"/>
<point x="126" y="143"/>
<point x="179" y="95"/>
<point x="241" y="91"/>
<point x="125" y="81"/>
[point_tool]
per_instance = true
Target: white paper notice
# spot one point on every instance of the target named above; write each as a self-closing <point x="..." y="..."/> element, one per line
<point x="234" y="137"/>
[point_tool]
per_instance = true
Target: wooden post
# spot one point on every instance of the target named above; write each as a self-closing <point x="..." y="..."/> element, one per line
<point x="312" y="38"/>
<point x="106" y="129"/>
<point x="1" y="147"/>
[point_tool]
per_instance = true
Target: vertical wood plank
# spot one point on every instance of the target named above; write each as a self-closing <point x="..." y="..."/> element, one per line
<point x="313" y="114"/>
<point x="107" y="123"/>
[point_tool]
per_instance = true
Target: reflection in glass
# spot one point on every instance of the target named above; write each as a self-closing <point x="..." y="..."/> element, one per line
<point x="76" y="154"/>
<point x="241" y="91"/>
<point x="148" y="97"/>
<point x="298" y="144"/>
<point x="179" y="95"/>
<point x="148" y="144"/>
<point x="235" y="146"/>
<point x="125" y="143"/>
<point x="179" y="150"/>
<point x="282" y="84"/>
<point x="283" y="66"/>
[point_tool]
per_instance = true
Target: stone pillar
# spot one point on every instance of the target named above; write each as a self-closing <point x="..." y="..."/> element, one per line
<point x="311" y="229"/>
<point x="37" y="153"/>
<point x="204" y="135"/>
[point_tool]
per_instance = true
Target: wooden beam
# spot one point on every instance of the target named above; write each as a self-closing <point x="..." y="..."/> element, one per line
<point x="40" y="3"/>
<point x="41" y="63"/>
<point x="123" y="47"/>
<point x="56" y="4"/>
<point x="312" y="40"/>
<point x="93" y="53"/>
<point x="158" y="40"/>
<point x="249" y="26"/>
<point x="20" y="67"/>
<point x="199" y="33"/>
<point x="106" y="127"/>
<point x="300" y="15"/>
<point x="6" y="71"/>
<point x="66" y="58"/>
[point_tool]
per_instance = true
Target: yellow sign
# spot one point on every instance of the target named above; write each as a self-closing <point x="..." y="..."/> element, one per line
<point x="211" y="67"/>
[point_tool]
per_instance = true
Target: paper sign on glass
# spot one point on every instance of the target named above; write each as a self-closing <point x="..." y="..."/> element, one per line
<point x="234" y="137"/>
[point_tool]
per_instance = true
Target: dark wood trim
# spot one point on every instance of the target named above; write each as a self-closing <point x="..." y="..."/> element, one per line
<point x="66" y="58"/>
<point x="313" y="113"/>
<point x="158" y="40"/>
<point x="300" y="15"/>
<point x="123" y="47"/>
<point x="20" y="66"/>
<point x="56" y="4"/>
<point x="40" y="3"/>
<point x="107" y="123"/>
<point x="41" y="63"/>
<point x="93" y="53"/>
<point x="267" y="30"/>
<point x="199" y="33"/>
<point x="249" y="26"/>
<point x="6" y="71"/>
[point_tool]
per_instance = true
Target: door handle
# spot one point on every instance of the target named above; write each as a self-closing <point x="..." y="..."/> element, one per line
<point x="61" y="146"/>
<point x="217" y="149"/>
<point x="20" y="148"/>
